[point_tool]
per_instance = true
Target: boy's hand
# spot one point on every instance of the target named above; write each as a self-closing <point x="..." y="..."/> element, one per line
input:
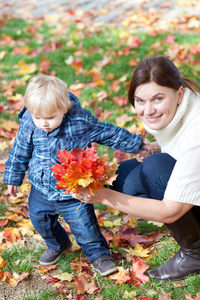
<point x="12" y="190"/>
<point x="145" y="151"/>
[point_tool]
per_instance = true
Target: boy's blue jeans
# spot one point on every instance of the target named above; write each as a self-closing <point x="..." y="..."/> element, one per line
<point x="147" y="179"/>
<point x="83" y="224"/>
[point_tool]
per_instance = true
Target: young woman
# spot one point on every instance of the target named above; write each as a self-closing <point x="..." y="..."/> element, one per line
<point x="169" y="106"/>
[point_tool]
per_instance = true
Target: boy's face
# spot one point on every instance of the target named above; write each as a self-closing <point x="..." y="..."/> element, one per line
<point x="50" y="122"/>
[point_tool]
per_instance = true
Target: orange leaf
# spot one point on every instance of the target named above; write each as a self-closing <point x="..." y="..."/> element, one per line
<point x="11" y="234"/>
<point x="45" y="269"/>
<point x="120" y="277"/>
<point x="4" y="223"/>
<point x="6" y="276"/>
<point x="2" y="262"/>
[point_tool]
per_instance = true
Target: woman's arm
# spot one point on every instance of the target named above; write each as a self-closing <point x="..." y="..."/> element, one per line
<point x="164" y="211"/>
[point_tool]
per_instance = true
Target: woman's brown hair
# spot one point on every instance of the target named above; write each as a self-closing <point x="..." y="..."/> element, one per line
<point x="162" y="71"/>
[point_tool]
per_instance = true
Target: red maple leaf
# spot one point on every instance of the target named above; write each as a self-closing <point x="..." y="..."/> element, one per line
<point x="137" y="272"/>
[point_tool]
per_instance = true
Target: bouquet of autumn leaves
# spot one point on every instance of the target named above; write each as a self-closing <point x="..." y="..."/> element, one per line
<point x="84" y="168"/>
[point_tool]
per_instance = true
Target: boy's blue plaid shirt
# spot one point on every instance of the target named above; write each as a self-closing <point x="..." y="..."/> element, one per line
<point x="36" y="150"/>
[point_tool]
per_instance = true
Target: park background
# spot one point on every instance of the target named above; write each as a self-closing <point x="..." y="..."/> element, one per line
<point x="94" y="46"/>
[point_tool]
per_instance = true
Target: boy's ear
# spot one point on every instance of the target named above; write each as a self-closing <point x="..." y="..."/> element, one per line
<point x="180" y="94"/>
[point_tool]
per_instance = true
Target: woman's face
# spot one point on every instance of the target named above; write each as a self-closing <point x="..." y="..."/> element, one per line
<point x="156" y="105"/>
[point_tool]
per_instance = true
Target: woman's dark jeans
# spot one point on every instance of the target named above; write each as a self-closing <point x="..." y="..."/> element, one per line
<point x="148" y="179"/>
<point x="83" y="224"/>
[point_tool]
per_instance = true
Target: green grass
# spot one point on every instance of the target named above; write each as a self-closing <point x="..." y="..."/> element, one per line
<point x="47" y="295"/>
<point x="21" y="259"/>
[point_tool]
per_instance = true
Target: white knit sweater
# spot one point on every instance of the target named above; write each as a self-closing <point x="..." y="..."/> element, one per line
<point x="181" y="139"/>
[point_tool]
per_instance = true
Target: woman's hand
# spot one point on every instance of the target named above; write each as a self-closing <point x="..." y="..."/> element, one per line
<point x="84" y="195"/>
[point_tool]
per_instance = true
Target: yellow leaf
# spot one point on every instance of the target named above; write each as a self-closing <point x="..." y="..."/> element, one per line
<point x="117" y="222"/>
<point x="2" y="54"/>
<point x="130" y="295"/>
<point x="16" y="278"/>
<point x="18" y="199"/>
<point x="25" y="187"/>
<point x="113" y="210"/>
<point x="13" y="217"/>
<point x="64" y="276"/>
<point x="26" y="231"/>
<point x="16" y="97"/>
<point x="26" y="49"/>
<point x="9" y="125"/>
<point x="156" y="223"/>
<point x="25" y="223"/>
<point x="138" y="251"/>
<point x="84" y="182"/>
<point x="3" y="146"/>
<point x="27" y="69"/>
<point x="108" y="224"/>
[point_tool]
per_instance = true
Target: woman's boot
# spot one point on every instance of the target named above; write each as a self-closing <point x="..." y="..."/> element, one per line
<point x="186" y="231"/>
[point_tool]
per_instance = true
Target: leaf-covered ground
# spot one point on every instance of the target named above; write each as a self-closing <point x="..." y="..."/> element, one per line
<point x="96" y="61"/>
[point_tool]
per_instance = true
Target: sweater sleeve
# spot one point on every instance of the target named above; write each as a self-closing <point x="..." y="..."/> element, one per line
<point x="19" y="156"/>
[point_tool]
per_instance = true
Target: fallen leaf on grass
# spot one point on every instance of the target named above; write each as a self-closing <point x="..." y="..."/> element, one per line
<point x="16" y="278"/>
<point x="11" y="234"/>
<point x="138" y="251"/>
<point x="83" y="285"/>
<point x="112" y="223"/>
<point x="189" y="297"/>
<point x="13" y="217"/>
<point x="137" y="272"/>
<point x="64" y="276"/>
<point x="45" y="269"/>
<point x="9" y="125"/>
<point x="128" y="295"/>
<point x="121" y="276"/>
<point x="4" y="146"/>
<point x="26" y="68"/>
<point x="2" y="54"/>
<point x="164" y="296"/>
<point x="156" y="223"/>
<point x="4" y="222"/>
<point x="2" y="262"/>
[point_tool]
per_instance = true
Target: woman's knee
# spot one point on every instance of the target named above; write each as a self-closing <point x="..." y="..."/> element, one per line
<point x="155" y="173"/>
<point x="125" y="175"/>
<point x="158" y="162"/>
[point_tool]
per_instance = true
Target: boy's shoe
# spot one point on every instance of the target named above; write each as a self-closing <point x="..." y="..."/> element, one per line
<point x="50" y="257"/>
<point x="104" y="265"/>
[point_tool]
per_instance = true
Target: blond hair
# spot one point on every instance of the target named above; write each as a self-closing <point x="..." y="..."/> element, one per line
<point x="46" y="94"/>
